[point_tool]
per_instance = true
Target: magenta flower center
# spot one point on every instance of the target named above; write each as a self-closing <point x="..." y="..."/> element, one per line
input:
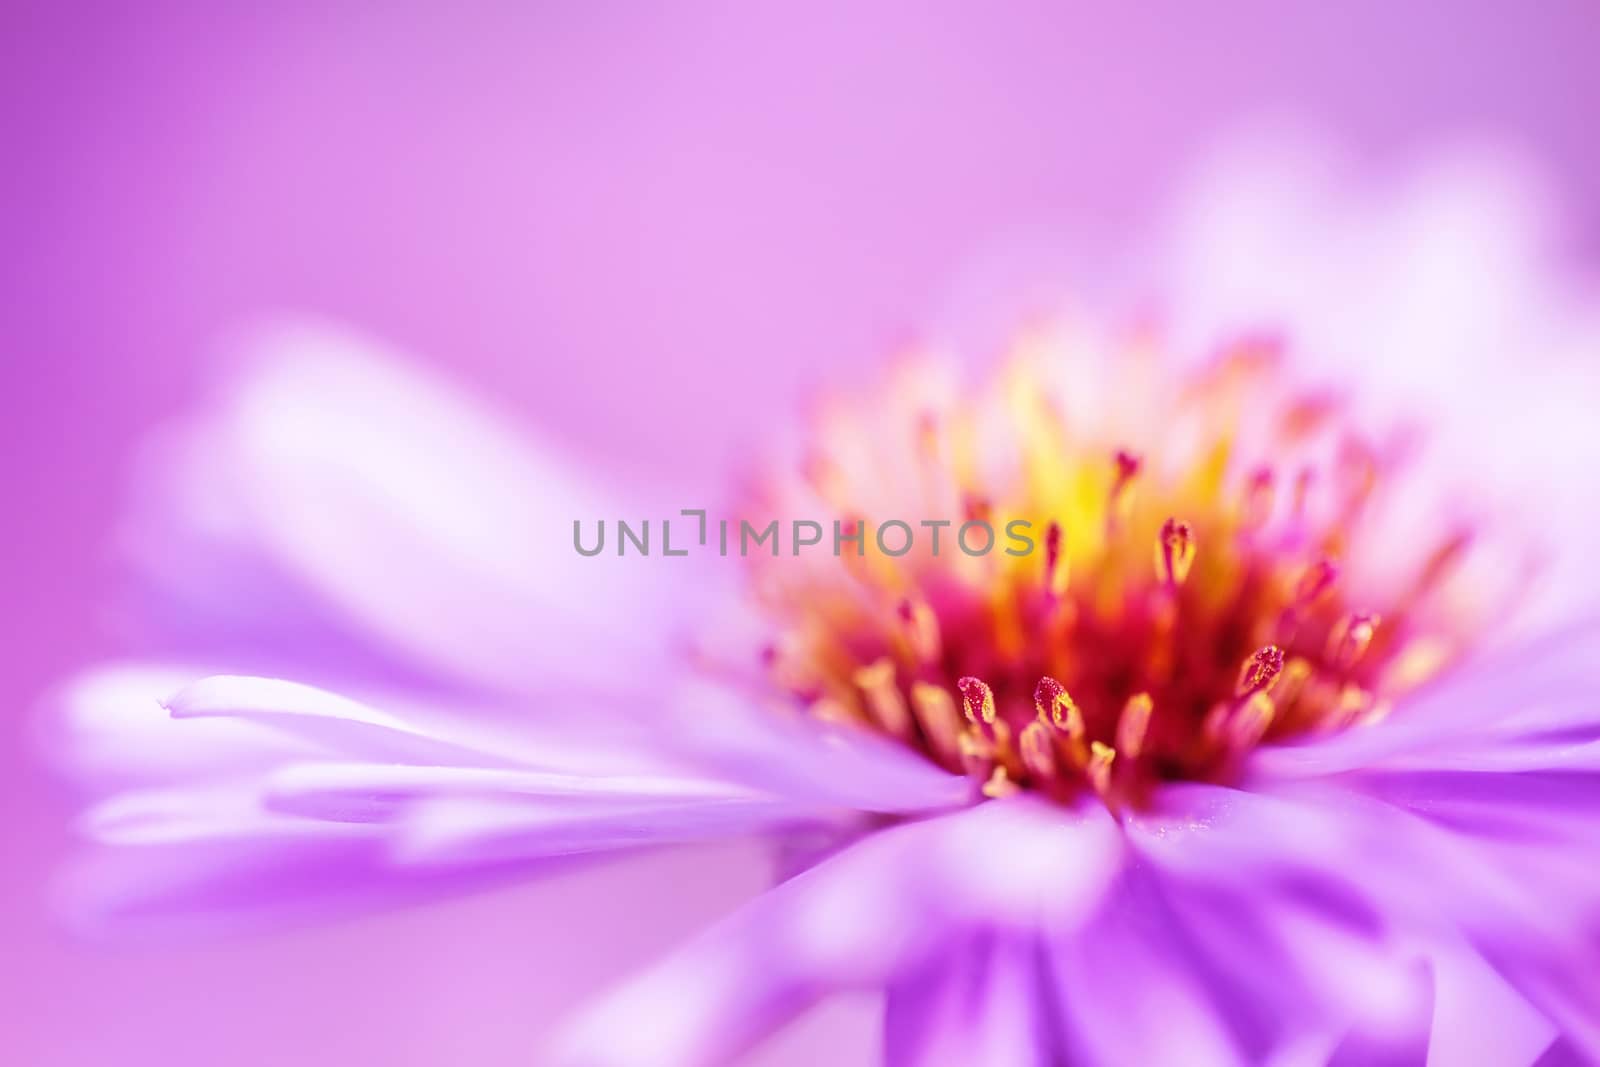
<point x="1183" y="603"/>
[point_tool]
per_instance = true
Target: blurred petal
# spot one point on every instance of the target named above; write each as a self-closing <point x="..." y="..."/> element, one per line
<point x="1479" y="1018"/>
<point x="732" y="737"/>
<point x="1130" y="986"/>
<point x="214" y="881"/>
<point x="988" y="1002"/>
<point x="107" y="729"/>
<point x="201" y="814"/>
<point x="700" y="733"/>
<point x="877" y="911"/>
<point x="1510" y="707"/>
<point x="1439" y="290"/>
<point x="318" y="716"/>
<point x="405" y="510"/>
<point x="1410" y="882"/>
<point x="305" y="773"/>
<point x="317" y="837"/>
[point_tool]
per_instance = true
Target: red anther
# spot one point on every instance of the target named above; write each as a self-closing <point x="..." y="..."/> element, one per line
<point x="1055" y="566"/>
<point x="1351" y="638"/>
<point x="1175" y="550"/>
<point x="977" y="698"/>
<point x="1317" y="580"/>
<point x="1128" y="464"/>
<point x="1443" y="559"/>
<point x="1258" y="498"/>
<point x="1302" y="490"/>
<point x="1054" y="704"/>
<point x="921" y="628"/>
<point x="1260" y="671"/>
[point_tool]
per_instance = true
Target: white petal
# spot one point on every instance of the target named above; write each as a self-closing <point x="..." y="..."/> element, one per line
<point x="409" y="512"/>
<point x="316" y="715"/>
<point x="206" y="814"/>
<point x="107" y="729"/>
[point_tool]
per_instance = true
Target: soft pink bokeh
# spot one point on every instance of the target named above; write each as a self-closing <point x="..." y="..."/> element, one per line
<point x="642" y="228"/>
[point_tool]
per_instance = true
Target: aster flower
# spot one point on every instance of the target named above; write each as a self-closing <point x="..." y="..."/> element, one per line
<point x="1262" y="753"/>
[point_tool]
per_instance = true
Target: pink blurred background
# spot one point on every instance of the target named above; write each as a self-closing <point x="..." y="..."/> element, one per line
<point x="589" y="211"/>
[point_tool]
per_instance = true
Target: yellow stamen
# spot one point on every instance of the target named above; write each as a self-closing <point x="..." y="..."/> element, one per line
<point x="1353" y="702"/>
<point x="1441" y="562"/>
<point x="1296" y="673"/>
<point x="1249" y="721"/>
<point x="1258" y="500"/>
<point x="1119" y="502"/>
<point x="977" y="753"/>
<point x="940" y="721"/>
<point x="921" y="629"/>
<point x="903" y="646"/>
<point x="1134" y="724"/>
<point x="1038" y="751"/>
<point x="825" y="477"/>
<point x="1056" y="568"/>
<point x="829" y="710"/>
<point x="1099" y="770"/>
<point x="1000" y="785"/>
<point x="1421" y="660"/>
<point x="884" y="700"/>
<point x="928" y="436"/>
<point x="1315" y="583"/>
<point x="1350" y="639"/>
<point x="1174" y="552"/>
<point x="1302" y="491"/>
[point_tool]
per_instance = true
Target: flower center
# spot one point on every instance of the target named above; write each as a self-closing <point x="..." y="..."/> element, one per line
<point x="1185" y="597"/>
